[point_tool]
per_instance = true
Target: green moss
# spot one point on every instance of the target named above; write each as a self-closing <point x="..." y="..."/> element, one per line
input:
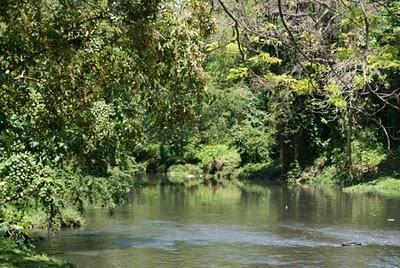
<point x="387" y="186"/>
<point x="14" y="255"/>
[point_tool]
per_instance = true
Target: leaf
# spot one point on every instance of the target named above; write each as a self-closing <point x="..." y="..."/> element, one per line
<point x="265" y="59"/>
<point x="237" y="73"/>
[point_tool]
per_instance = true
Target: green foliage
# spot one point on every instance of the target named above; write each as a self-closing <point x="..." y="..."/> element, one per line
<point x="188" y="174"/>
<point x="367" y="156"/>
<point x="93" y="92"/>
<point x="185" y="171"/>
<point x="318" y="95"/>
<point x="71" y="218"/>
<point x="386" y="186"/>
<point x="218" y="159"/>
<point x="237" y="73"/>
<point x="264" y="58"/>
<point x="107" y="192"/>
<point x="29" y="185"/>
<point x="14" y="255"/>
<point x="85" y="86"/>
<point x="19" y="177"/>
<point x="33" y="216"/>
<point x="22" y="179"/>
<point x="329" y="176"/>
<point x="14" y="232"/>
<point x="224" y="109"/>
<point x="254" y="144"/>
<point x="294" y="172"/>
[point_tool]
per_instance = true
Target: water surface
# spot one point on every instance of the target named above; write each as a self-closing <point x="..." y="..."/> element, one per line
<point x="260" y="226"/>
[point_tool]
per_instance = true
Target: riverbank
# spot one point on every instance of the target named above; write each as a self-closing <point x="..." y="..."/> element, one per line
<point x="387" y="186"/>
<point x="384" y="185"/>
<point x="21" y="256"/>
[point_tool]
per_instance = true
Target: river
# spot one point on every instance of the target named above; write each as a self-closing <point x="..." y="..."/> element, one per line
<point x="252" y="226"/>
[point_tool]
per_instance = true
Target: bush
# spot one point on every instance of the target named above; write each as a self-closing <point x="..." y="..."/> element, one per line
<point x="253" y="144"/>
<point x="329" y="176"/>
<point x="185" y="171"/>
<point x="28" y="186"/>
<point x="187" y="174"/>
<point x="17" y="176"/>
<point x="366" y="158"/>
<point x="37" y="218"/>
<point x="71" y="218"/>
<point x="218" y="159"/>
<point x="24" y="179"/>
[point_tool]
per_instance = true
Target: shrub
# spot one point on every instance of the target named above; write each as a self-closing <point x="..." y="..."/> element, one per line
<point x="365" y="157"/>
<point x="28" y="185"/>
<point x="185" y="171"/>
<point x="71" y="218"/>
<point x="329" y="176"/>
<point x="253" y="144"/>
<point x="219" y="159"/>
<point x="17" y="176"/>
<point x="187" y="174"/>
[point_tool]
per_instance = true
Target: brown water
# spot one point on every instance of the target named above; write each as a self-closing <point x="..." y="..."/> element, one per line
<point x="170" y="226"/>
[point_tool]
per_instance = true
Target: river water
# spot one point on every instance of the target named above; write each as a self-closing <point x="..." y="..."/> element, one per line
<point x="254" y="226"/>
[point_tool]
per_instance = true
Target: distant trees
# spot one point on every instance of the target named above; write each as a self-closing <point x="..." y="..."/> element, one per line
<point x="325" y="64"/>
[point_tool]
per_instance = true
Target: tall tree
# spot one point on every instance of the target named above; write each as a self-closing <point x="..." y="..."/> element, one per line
<point x="328" y="55"/>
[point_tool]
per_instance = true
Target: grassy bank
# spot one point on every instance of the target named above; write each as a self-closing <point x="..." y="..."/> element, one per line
<point x="21" y="256"/>
<point x="330" y="176"/>
<point x="387" y="186"/>
<point x="384" y="185"/>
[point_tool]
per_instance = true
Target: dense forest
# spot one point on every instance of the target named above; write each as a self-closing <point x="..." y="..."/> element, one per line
<point x="96" y="91"/>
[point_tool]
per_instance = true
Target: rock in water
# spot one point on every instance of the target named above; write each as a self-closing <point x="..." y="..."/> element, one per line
<point x="351" y="244"/>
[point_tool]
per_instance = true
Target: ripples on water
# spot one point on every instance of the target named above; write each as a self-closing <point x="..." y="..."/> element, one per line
<point x="366" y="237"/>
<point x="177" y="228"/>
<point x="199" y="234"/>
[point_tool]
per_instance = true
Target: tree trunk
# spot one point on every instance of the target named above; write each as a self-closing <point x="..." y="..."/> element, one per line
<point x="349" y="137"/>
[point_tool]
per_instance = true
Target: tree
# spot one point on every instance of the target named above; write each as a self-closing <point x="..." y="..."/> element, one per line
<point x="83" y="83"/>
<point x="328" y="56"/>
<point x="68" y="64"/>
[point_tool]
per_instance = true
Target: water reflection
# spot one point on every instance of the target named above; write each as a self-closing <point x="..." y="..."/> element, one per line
<point x="255" y="225"/>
